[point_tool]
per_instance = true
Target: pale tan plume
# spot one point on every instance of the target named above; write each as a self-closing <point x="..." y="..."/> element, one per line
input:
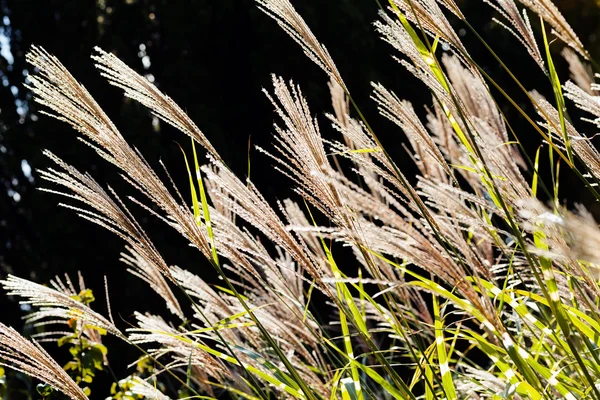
<point x="284" y="13"/>
<point x="520" y="27"/>
<point x="141" y="89"/>
<point x="581" y="145"/>
<point x="581" y="73"/>
<point x="56" y="88"/>
<point x="148" y="272"/>
<point x="426" y="14"/>
<point x="560" y="27"/>
<point x="106" y="210"/>
<point x="54" y="303"/>
<point x="30" y="358"/>
<point x="144" y="388"/>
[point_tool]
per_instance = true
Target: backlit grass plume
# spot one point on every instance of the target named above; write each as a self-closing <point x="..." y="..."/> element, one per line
<point x="30" y="358"/>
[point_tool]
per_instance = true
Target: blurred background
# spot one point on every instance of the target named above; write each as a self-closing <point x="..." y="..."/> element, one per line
<point x="212" y="57"/>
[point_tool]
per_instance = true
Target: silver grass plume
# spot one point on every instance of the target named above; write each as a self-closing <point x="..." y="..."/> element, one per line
<point x="56" y="88"/>
<point x="485" y="119"/>
<point x="341" y="104"/>
<point x="143" y="388"/>
<point x="581" y="73"/>
<point x="402" y="114"/>
<point x="142" y="90"/>
<point x="108" y="212"/>
<point x="341" y="120"/>
<point x="245" y="201"/>
<point x="585" y="101"/>
<point x="181" y="348"/>
<point x="283" y="12"/>
<point x="522" y="27"/>
<point x="30" y="358"/>
<point x="219" y="306"/>
<point x="573" y="243"/>
<point x="474" y="96"/>
<point x="52" y="335"/>
<point x="147" y="271"/>
<point x="297" y="221"/>
<point x="301" y="341"/>
<point x="428" y="15"/>
<point x="369" y="158"/>
<point x="215" y="306"/>
<point x="393" y="32"/>
<point x="301" y="150"/>
<point x="253" y="263"/>
<point x="452" y="6"/>
<point x="569" y="235"/>
<point x="581" y="145"/>
<point x="444" y="136"/>
<point x="54" y="303"/>
<point x="560" y="27"/>
<point x="302" y="156"/>
<point x="457" y="211"/>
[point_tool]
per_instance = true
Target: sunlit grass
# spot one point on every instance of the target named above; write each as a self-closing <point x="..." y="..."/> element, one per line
<point x="465" y="285"/>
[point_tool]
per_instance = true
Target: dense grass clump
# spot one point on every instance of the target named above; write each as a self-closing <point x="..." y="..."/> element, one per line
<point x="473" y="283"/>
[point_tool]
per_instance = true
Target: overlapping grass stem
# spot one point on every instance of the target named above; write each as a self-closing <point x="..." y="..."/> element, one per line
<point x="465" y="285"/>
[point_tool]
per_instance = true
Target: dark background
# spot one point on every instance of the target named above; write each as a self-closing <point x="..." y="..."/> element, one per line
<point x="212" y="57"/>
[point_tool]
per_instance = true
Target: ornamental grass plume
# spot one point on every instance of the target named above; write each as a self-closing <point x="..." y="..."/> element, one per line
<point x="470" y="281"/>
<point x="55" y="303"/>
<point x="30" y="358"/>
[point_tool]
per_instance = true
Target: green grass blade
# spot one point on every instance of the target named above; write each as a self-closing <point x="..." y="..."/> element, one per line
<point x="345" y="297"/>
<point x="205" y="207"/>
<point x="195" y="204"/>
<point x="558" y="95"/>
<point x="442" y="356"/>
<point x="534" y="181"/>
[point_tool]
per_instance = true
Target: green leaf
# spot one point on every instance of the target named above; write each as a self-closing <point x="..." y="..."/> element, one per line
<point x="44" y="389"/>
